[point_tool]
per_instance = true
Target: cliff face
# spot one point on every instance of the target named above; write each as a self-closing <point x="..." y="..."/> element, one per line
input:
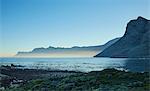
<point x="134" y="43"/>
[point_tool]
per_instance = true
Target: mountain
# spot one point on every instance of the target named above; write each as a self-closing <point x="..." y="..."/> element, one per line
<point x="87" y="51"/>
<point x="135" y="43"/>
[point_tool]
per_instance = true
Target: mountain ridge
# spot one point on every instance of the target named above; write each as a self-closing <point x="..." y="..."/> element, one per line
<point x="135" y="43"/>
<point x="75" y="51"/>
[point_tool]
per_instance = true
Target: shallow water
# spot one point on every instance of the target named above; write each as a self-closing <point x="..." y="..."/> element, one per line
<point x="81" y="64"/>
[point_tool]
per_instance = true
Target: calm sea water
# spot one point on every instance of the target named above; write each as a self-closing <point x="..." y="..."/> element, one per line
<point x="81" y="64"/>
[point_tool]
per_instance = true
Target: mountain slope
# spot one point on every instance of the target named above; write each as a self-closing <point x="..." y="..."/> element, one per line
<point x="76" y="51"/>
<point x="134" y="43"/>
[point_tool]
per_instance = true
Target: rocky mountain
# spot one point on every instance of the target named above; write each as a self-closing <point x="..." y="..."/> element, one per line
<point x="87" y="51"/>
<point x="135" y="43"/>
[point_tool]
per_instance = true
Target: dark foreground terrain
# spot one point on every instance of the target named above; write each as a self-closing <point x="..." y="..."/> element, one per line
<point x="14" y="79"/>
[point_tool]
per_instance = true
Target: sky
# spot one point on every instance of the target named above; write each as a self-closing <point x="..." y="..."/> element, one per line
<point x="29" y="24"/>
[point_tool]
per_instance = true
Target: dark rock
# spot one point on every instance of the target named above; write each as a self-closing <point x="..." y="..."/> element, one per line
<point x="135" y="43"/>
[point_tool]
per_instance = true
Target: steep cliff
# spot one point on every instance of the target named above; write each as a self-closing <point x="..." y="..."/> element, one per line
<point x="135" y="43"/>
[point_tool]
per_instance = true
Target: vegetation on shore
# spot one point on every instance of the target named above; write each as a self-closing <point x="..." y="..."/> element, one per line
<point x="105" y="80"/>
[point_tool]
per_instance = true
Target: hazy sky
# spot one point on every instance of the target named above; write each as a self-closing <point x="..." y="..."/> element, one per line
<point x="27" y="24"/>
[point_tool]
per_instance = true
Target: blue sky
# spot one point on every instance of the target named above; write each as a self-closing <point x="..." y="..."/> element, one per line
<point x="27" y="24"/>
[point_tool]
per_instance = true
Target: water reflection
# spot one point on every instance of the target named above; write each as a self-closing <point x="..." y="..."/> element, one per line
<point x="137" y="65"/>
<point x="81" y="64"/>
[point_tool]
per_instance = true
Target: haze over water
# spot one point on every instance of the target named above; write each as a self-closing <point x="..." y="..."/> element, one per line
<point x="29" y="24"/>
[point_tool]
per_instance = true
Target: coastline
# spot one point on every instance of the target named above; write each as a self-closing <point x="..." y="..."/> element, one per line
<point x="14" y="79"/>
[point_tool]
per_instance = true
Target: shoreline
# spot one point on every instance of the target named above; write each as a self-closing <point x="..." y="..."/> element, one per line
<point x="13" y="78"/>
<point x="12" y="75"/>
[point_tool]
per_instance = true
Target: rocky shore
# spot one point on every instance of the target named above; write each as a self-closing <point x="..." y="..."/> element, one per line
<point x="13" y="78"/>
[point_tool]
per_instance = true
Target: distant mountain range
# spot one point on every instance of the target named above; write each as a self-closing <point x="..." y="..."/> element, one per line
<point x="135" y="43"/>
<point x="87" y="51"/>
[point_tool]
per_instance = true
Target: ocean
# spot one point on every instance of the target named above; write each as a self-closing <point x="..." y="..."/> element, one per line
<point x="81" y="64"/>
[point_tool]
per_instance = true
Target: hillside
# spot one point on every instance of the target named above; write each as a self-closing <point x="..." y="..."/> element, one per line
<point x="135" y="43"/>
